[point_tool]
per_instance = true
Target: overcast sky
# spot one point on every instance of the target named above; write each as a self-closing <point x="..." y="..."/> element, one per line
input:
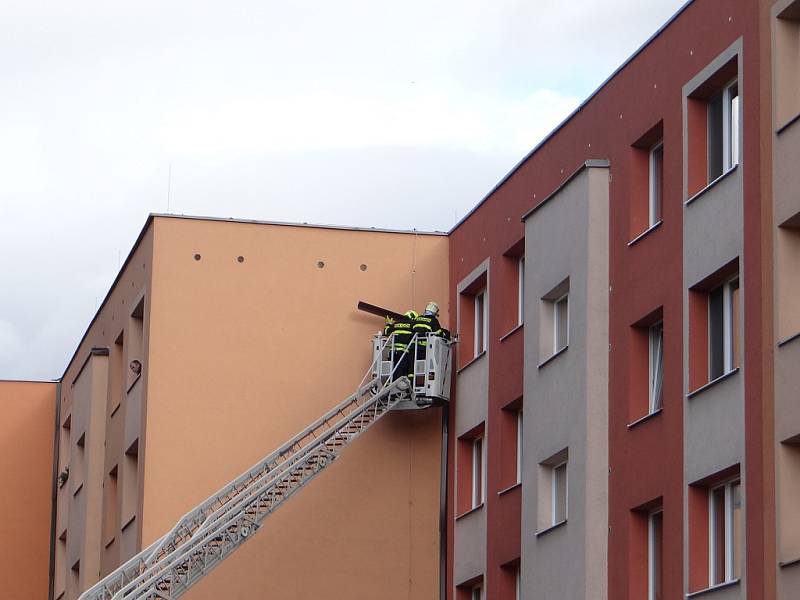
<point x="352" y="112"/>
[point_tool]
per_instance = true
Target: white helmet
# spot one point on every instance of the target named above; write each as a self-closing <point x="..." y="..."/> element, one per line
<point x="432" y="308"/>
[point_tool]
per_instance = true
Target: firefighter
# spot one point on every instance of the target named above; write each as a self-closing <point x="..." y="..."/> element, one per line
<point x="425" y="324"/>
<point x="428" y="323"/>
<point x="403" y="330"/>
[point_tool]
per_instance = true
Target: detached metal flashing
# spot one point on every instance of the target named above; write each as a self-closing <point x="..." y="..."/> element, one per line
<point x="592" y="163"/>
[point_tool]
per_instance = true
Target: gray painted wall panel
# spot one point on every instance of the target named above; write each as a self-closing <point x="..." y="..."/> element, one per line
<point x="713" y="228"/>
<point x="472" y="393"/>
<point x="712" y="236"/>
<point x="470" y="540"/>
<point x="568" y="237"/>
<point x="714" y="429"/>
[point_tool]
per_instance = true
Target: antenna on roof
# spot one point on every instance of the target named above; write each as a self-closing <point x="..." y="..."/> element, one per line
<point x="169" y="186"/>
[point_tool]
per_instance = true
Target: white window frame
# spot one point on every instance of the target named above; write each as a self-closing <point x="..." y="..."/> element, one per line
<point x="481" y="323"/>
<point x="519" y="446"/>
<point x="651" y="542"/>
<point x="521" y="290"/>
<point x="554" y="492"/>
<point x="655" y="202"/>
<point x="729" y="528"/>
<point x="556" y="302"/>
<point x="656" y="357"/>
<point x="518" y="582"/>
<point x="731" y="111"/>
<point x="731" y="117"/>
<point x="477" y="593"/>
<point x="478" y="469"/>
<point x="728" y="320"/>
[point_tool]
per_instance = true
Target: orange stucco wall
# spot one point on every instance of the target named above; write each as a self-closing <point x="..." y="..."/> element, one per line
<point x="243" y="354"/>
<point x="26" y="466"/>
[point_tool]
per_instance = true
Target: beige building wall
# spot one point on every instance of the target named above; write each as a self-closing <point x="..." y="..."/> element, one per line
<point x="785" y="27"/>
<point x="254" y="333"/>
<point x="100" y="409"/>
<point x="26" y="468"/>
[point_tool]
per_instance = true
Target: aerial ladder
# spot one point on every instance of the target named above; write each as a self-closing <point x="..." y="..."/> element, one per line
<point x="209" y="533"/>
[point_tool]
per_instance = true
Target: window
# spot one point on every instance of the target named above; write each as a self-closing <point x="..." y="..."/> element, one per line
<point x="477" y="593"/>
<point x="130" y="482"/>
<point x="786" y="60"/>
<point x="725" y="533"/>
<point x="478" y="472"/>
<point x="481" y="332"/>
<point x="655" y="560"/>
<point x="135" y="344"/>
<point x="656" y="366"/>
<point x="110" y="506"/>
<point x="559" y="485"/>
<point x="519" y="446"/>
<point x="521" y="288"/>
<point x="553" y="491"/>
<point x="723" y="131"/>
<point x="646" y="181"/>
<point x="723" y="318"/>
<point x="554" y="321"/>
<point x="561" y="323"/>
<point x="788" y="491"/>
<point x="518" y="584"/>
<point x="656" y="183"/>
<point x="787" y="284"/>
<point x="470" y="472"/>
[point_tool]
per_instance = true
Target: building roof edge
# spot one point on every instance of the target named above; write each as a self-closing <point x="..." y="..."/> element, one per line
<point x="297" y="224"/>
<point x="570" y="116"/>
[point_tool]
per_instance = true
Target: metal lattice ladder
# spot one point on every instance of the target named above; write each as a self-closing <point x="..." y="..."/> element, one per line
<point x="206" y="535"/>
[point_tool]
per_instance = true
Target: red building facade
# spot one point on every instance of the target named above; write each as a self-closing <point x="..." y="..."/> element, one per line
<point x="687" y="130"/>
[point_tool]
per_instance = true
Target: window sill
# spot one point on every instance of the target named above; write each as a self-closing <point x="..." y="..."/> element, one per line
<point x="789" y="563"/>
<point x="787" y="124"/>
<point x="553" y="357"/>
<point x="711" y="184"/>
<point x="510" y="488"/>
<point x="645" y="233"/>
<point x="77" y="489"/>
<point x="127" y="523"/>
<point x="791" y="338"/>
<point x="713" y="588"/>
<point x="469" y="512"/>
<point x="109" y="542"/>
<point x="116" y="408"/>
<point x="512" y="332"/>
<point x="711" y="383"/>
<point x="471" y="362"/>
<point x="551" y="528"/>
<point x="647" y="417"/>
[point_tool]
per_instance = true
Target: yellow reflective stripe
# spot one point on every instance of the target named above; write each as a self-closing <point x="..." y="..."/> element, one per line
<point x="423" y="326"/>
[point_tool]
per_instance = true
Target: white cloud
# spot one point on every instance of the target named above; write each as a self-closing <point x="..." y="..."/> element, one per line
<point x="302" y="111"/>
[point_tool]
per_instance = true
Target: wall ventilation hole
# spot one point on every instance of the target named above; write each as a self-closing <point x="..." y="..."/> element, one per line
<point x="363" y="267"/>
<point x="197" y="257"/>
<point x="240" y="259"/>
<point x="320" y="264"/>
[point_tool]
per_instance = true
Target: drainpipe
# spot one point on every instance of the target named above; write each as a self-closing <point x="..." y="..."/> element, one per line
<point x="54" y="494"/>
